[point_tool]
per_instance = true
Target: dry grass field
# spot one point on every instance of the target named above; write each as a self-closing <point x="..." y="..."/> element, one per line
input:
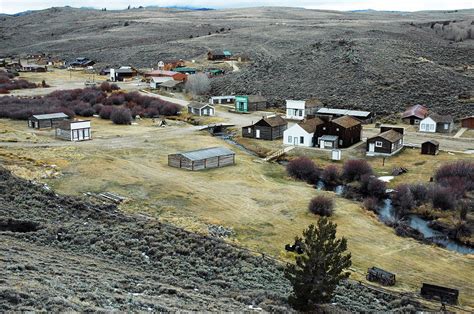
<point x="263" y="207"/>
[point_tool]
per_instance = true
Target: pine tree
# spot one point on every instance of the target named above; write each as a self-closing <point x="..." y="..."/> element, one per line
<point x="319" y="269"/>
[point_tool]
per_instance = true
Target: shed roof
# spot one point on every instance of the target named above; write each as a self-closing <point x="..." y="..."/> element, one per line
<point x="345" y="112"/>
<point x="48" y="116"/>
<point x="390" y="135"/>
<point x="310" y="125"/>
<point x="207" y="153"/>
<point x="465" y="118"/>
<point x="418" y="111"/>
<point x="184" y="69"/>
<point x="331" y="138"/>
<point x="441" y="118"/>
<point x="346" y="121"/>
<point x="66" y="125"/>
<point x="161" y="72"/>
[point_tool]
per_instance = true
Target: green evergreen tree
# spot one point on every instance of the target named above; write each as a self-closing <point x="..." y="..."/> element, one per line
<point x="319" y="269"/>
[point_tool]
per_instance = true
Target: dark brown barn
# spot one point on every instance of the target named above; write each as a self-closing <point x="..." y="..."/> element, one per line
<point x="268" y="128"/>
<point x="468" y="122"/>
<point x="49" y="120"/>
<point x="347" y="129"/>
<point x="430" y="147"/>
<point x="386" y="143"/>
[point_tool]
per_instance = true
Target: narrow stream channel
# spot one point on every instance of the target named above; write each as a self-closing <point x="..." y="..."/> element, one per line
<point x="386" y="213"/>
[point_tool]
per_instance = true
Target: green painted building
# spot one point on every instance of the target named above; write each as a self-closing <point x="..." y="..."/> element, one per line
<point x="185" y="70"/>
<point x="250" y="103"/>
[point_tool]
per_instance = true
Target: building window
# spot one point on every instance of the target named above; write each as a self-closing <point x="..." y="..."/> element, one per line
<point x="324" y="128"/>
<point x="300" y="113"/>
<point x="417" y="121"/>
<point x="340" y="142"/>
<point x="378" y="144"/>
<point x="446" y="126"/>
<point x="249" y="130"/>
<point x="301" y="139"/>
<point x="290" y="139"/>
<point x="393" y="146"/>
<point x="337" y="129"/>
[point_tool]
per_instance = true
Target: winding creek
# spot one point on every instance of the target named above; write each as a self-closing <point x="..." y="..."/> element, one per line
<point x="386" y="212"/>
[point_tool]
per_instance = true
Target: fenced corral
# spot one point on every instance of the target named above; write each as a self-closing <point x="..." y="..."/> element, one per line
<point x="442" y="294"/>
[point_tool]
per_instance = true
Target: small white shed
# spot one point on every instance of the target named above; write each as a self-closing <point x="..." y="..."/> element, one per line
<point x="428" y="125"/>
<point x="79" y="130"/>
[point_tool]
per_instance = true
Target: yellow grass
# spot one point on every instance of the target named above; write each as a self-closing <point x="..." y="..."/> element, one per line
<point x="265" y="209"/>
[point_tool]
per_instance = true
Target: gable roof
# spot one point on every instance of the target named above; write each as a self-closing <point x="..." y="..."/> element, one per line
<point x="171" y="83"/>
<point x="161" y="79"/>
<point x="390" y="135"/>
<point x="440" y="118"/>
<point x="66" y="125"/>
<point x="48" y="116"/>
<point x="198" y="105"/>
<point x="436" y="143"/>
<point x="207" y="153"/>
<point x="465" y="118"/>
<point x="418" y="111"/>
<point x="346" y="121"/>
<point x="274" y="121"/>
<point x="310" y="125"/>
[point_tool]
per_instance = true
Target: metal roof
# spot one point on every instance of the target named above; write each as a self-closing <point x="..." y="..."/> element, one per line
<point x="331" y="138"/>
<point x="48" y="116"/>
<point x="344" y="112"/>
<point x="161" y="79"/>
<point x="171" y="83"/>
<point x="207" y="153"/>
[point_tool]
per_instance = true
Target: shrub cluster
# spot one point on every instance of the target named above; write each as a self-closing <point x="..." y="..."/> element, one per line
<point x="321" y="205"/>
<point x="303" y="168"/>
<point x="457" y="176"/>
<point x="85" y="102"/>
<point x="354" y="169"/>
<point x="7" y="83"/>
<point x="331" y="175"/>
<point x="121" y="115"/>
<point x="371" y="186"/>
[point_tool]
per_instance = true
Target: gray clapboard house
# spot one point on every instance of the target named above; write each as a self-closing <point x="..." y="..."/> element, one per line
<point x="213" y="157"/>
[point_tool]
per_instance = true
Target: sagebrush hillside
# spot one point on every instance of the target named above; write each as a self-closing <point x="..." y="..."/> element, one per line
<point x="63" y="253"/>
<point x="374" y="60"/>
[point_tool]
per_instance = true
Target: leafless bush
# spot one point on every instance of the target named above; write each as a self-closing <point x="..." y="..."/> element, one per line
<point x="354" y="169"/>
<point x="321" y="205"/>
<point x="198" y="84"/>
<point x="303" y="168"/>
<point x="331" y="175"/>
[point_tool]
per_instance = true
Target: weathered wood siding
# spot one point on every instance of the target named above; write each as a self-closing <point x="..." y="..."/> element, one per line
<point x="428" y="148"/>
<point x="178" y="161"/>
<point x="256" y="106"/>
<point x="347" y="136"/>
<point x="386" y="148"/>
<point x="468" y="123"/>
<point x="266" y="132"/>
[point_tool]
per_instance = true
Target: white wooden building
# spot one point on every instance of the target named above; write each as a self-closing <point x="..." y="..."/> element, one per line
<point x="299" y="109"/>
<point x="201" y="109"/>
<point x="78" y="130"/>
<point x="437" y="123"/>
<point x="302" y="134"/>
<point x="156" y="81"/>
<point x="214" y="100"/>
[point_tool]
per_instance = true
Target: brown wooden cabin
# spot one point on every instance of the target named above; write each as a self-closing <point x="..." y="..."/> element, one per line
<point x="347" y="129"/>
<point x="414" y="114"/>
<point x="213" y="157"/>
<point x="49" y="120"/>
<point x="430" y="147"/>
<point x="468" y="122"/>
<point x="267" y="128"/>
<point x="386" y="143"/>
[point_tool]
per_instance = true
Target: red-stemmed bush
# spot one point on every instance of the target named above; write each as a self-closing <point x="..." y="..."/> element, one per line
<point x="105" y="87"/>
<point x="354" y="169"/>
<point x="331" y="175"/>
<point x="321" y="205"/>
<point x="371" y="203"/>
<point x="442" y="198"/>
<point x="105" y="112"/>
<point x="303" y="168"/>
<point x="463" y="170"/>
<point x="121" y="115"/>
<point x="403" y="200"/>
<point x="371" y="186"/>
<point x="420" y="193"/>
